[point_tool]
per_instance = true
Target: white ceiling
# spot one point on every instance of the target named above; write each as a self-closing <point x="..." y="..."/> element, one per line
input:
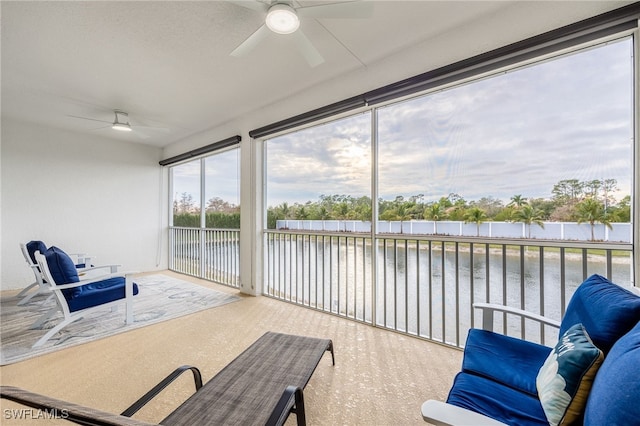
<point x="167" y="63"/>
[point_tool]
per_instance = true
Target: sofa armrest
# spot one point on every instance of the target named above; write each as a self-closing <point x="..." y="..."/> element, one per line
<point x="442" y="414"/>
<point x="488" y="310"/>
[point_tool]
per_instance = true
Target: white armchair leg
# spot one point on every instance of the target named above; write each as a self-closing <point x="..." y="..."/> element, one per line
<point x="128" y="299"/>
<point x="44" y="318"/>
<point x="54" y="330"/>
<point x="26" y="290"/>
<point x="27" y="298"/>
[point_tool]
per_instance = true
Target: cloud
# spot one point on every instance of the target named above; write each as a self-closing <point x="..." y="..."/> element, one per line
<point x="518" y="132"/>
<point x="222" y="172"/>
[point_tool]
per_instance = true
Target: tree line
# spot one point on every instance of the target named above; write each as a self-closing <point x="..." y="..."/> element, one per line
<point x="218" y="213"/>
<point x="571" y="200"/>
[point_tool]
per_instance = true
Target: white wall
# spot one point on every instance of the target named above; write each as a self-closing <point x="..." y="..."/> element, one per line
<point x="80" y="193"/>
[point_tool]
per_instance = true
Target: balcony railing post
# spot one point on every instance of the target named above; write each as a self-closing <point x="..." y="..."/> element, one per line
<point x="303" y="263"/>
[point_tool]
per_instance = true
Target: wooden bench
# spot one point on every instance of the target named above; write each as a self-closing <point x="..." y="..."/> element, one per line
<point x="262" y="386"/>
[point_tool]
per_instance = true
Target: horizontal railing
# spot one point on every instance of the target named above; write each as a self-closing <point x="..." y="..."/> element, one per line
<point x="426" y="286"/>
<point x="211" y="254"/>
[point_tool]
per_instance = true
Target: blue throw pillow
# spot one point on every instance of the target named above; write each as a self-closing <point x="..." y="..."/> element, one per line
<point x="33" y="247"/>
<point x="606" y="310"/>
<point x="614" y="396"/>
<point x="565" y="379"/>
<point x="63" y="270"/>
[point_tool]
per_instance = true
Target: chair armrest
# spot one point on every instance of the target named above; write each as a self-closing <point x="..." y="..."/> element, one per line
<point x="81" y="257"/>
<point x="112" y="269"/>
<point x="94" y="280"/>
<point x="66" y="410"/>
<point x="291" y="400"/>
<point x="142" y="401"/>
<point x="488" y="310"/>
<point x="442" y="414"/>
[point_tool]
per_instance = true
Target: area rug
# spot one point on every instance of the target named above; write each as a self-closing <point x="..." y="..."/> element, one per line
<point x="161" y="298"/>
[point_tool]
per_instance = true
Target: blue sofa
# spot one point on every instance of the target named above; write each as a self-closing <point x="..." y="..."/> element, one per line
<point x="501" y="375"/>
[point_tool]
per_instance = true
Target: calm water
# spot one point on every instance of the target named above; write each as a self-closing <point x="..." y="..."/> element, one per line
<point x="420" y="292"/>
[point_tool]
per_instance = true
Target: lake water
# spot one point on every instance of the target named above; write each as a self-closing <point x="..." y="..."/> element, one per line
<point x="420" y="292"/>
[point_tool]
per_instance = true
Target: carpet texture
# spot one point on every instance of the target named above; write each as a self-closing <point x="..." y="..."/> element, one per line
<point x="161" y="298"/>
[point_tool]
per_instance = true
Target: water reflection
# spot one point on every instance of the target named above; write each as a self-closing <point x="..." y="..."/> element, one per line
<point x="422" y="292"/>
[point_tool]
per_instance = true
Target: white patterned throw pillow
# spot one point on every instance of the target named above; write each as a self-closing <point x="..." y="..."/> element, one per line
<point x="565" y="379"/>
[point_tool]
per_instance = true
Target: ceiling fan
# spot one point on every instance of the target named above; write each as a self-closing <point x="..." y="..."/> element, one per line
<point x="283" y="17"/>
<point x="121" y="123"/>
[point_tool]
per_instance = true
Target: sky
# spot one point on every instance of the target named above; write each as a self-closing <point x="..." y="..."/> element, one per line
<point x="222" y="173"/>
<point x="516" y="133"/>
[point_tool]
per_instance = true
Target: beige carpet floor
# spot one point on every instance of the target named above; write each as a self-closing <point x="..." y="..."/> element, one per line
<point x="380" y="377"/>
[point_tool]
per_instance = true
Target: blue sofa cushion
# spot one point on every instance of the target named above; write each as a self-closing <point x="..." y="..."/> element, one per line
<point x="606" y="310"/>
<point x="99" y="293"/>
<point x="62" y="269"/>
<point x="524" y="359"/>
<point x="613" y="400"/>
<point x="33" y="247"/>
<point x="565" y="379"/>
<point x="495" y="400"/>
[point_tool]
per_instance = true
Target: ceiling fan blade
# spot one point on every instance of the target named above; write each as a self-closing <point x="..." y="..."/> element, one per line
<point x="250" y="4"/>
<point x="158" y="129"/>
<point x="308" y="50"/>
<point x="90" y="119"/>
<point x="351" y="9"/>
<point x="250" y="43"/>
<point x="140" y="134"/>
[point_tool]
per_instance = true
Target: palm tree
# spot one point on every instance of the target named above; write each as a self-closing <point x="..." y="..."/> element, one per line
<point x="341" y="211"/>
<point x="435" y="212"/>
<point x="477" y="216"/>
<point x="528" y="215"/>
<point x="285" y="210"/>
<point x="517" y="201"/>
<point x="302" y="213"/>
<point x="402" y="215"/>
<point x="323" y="213"/>
<point x="592" y="211"/>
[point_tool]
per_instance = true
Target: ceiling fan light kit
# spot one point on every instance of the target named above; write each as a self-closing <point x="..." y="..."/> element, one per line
<point x="121" y="122"/>
<point x="121" y="127"/>
<point x="282" y="19"/>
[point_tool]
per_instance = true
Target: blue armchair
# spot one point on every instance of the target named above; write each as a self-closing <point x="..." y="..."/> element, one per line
<point x="591" y="375"/>
<point x="75" y="297"/>
<point x="28" y="251"/>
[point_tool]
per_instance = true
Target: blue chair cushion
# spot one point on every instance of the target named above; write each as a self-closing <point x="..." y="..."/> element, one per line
<point x="483" y="348"/>
<point x="614" y="395"/>
<point x="33" y="247"/>
<point x="494" y="400"/>
<point x="99" y="293"/>
<point x="606" y="310"/>
<point x="62" y="268"/>
<point x="565" y="379"/>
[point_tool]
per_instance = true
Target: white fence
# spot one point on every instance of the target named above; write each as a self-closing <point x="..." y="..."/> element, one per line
<point x="569" y="231"/>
